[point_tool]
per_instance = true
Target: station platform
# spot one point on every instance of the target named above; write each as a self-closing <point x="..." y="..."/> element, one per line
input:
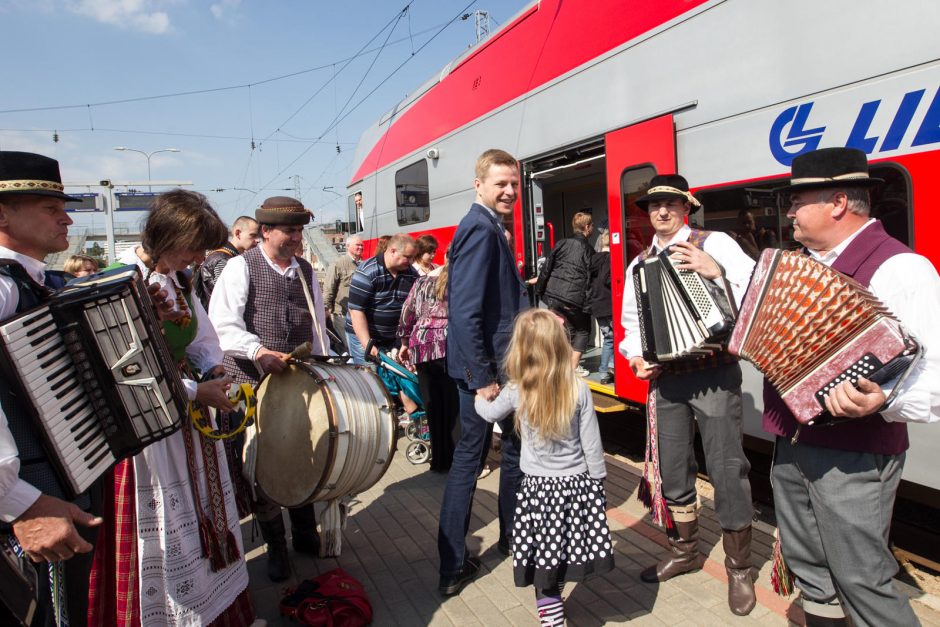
<point x="390" y="544"/>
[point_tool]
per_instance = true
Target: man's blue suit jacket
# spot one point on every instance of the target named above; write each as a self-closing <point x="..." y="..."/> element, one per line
<point x="485" y="293"/>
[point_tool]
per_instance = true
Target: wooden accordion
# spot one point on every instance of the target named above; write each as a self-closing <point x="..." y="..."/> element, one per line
<point x="808" y="327"/>
<point x="98" y="377"/>
<point x="682" y="315"/>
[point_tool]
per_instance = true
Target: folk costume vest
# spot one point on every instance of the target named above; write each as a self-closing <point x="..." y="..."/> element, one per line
<point x="35" y="468"/>
<point x="276" y="311"/>
<point x="697" y="238"/>
<point x="872" y="434"/>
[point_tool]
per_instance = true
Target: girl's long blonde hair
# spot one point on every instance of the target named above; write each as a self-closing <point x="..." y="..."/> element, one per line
<point x="539" y="363"/>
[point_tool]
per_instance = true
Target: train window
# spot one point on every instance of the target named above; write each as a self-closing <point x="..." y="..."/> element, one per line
<point x="750" y="214"/>
<point x="412" y="195"/>
<point x="354" y="211"/>
<point x="637" y="231"/>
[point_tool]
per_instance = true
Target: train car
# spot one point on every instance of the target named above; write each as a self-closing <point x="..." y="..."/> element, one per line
<point x="594" y="97"/>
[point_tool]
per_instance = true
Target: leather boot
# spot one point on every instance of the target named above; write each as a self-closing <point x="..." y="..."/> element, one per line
<point x="684" y="558"/>
<point x="737" y="544"/>
<point x="303" y="529"/>
<point x="275" y="537"/>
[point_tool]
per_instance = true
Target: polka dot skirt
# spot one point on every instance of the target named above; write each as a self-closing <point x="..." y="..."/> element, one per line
<point x="560" y="531"/>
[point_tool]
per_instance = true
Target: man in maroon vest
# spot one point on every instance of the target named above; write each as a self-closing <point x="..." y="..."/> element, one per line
<point x="834" y="486"/>
<point x="261" y="312"/>
<point x="705" y="391"/>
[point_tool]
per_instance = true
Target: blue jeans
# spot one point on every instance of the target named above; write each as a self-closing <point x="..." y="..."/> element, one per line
<point x="356" y="350"/>
<point x="462" y="483"/>
<point x="607" y="345"/>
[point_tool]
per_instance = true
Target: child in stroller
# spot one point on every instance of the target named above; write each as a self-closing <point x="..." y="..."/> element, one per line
<point x="399" y="380"/>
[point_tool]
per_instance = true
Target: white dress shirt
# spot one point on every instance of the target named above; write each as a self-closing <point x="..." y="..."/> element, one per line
<point x="722" y="248"/>
<point x="16" y="495"/>
<point x="227" y="309"/>
<point x="909" y="286"/>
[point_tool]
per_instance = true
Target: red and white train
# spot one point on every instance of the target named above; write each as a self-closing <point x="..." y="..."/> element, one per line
<point x="595" y="96"/>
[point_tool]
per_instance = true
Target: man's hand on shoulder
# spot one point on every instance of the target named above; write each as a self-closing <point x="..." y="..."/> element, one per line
<point x="271" y="361"/>
<point x="695" y="259"/>
<point x="46" y="530"/>
<point x="847" y="401"/>
<point x="643" y="370"/>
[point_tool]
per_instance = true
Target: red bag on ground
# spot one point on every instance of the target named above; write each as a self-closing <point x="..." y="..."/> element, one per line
<point x="332" y="599"/>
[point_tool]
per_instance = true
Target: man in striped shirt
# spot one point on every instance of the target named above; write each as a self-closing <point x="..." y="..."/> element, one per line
<point x="376" y="295"/>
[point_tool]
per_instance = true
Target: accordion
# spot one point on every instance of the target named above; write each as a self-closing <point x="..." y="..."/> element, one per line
<point x="97" y="375"/>
<point x="683" y="316"/>
<point x="808" y="327"/>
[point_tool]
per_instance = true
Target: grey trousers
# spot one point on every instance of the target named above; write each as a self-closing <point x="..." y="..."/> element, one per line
<point x="833" y="512"/>
<point x="713" y="398"/>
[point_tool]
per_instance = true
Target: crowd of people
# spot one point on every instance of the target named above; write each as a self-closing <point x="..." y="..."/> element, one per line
<point x="157" y="539"/>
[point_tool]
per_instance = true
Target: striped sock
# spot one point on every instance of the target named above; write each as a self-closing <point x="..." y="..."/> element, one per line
<point x="551" y="611"/>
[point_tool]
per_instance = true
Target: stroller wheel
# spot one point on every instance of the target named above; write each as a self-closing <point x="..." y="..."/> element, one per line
<point x="411" y="431"/>
<point x="418" y="452"/>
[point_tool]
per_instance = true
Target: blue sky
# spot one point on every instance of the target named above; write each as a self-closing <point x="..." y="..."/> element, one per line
<point x="60" y="53"/>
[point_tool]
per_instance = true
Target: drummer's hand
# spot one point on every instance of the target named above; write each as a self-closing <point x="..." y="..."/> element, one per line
<point x="489" y="392"/>
<point x="845" y="401"/>
<point x="644" y="370"/>
<point x="271" y="361"/>
<point x="696" y="259"/>
<point x="214" y="393"/>
<point x="216" y="372"/>
<point x="166" y="309"/>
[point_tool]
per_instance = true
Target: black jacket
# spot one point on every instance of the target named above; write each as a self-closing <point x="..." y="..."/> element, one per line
<point x="601" y="301"/>
<point x="566" y="275"/>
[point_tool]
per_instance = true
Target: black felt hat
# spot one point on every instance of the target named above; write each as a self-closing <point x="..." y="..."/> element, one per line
<point x="282" y="210"/>
<point x="32" y="174"/>
<point x="830" y="167"/>
<point x="668" y="186"/>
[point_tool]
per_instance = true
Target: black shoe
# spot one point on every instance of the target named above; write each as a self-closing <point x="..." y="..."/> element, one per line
<point x="504" y="547"/>
<point x="607" y="379"/>
<point x="449" y="586"/>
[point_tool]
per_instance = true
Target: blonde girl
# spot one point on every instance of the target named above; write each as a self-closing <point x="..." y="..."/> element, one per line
<point x="560" y="531"/>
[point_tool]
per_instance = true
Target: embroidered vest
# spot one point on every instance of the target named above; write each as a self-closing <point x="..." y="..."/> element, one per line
<point x="872" y="434"/>
<point x="276" y="311"/>
<point x="35" y="468"/>
<point x="697" y="238"/>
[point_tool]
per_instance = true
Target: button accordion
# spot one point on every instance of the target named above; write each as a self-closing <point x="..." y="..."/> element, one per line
<point x="808" y="327"/>
<point x="682" y="315"/>
<point x="97" y="375"/>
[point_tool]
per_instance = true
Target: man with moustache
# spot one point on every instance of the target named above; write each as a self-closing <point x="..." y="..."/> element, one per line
<point x="34" y="224"/>
<point x="261" y="313"/>
<point x="706" y="392"/>
<point x="484" y="296"/>
<point x="834" y="485"/>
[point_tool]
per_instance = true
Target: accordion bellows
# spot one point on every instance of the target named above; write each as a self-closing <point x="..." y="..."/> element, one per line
<point x="807" y="327"/>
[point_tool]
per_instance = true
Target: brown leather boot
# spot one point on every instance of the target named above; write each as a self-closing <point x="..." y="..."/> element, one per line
<point x="737" y="544"/>
<point x="685" y="558"/>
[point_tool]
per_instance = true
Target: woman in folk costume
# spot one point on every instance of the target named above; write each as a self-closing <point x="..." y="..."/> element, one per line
<point x="173" y="552"/>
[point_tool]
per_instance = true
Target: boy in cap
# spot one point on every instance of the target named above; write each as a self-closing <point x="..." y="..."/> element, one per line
<point x="261" y="314"/>
<point x="705" y="391"/>
<point x="834" y="486"/>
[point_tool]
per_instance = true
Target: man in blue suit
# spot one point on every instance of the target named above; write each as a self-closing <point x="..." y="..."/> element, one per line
<point x="485" y="294"/>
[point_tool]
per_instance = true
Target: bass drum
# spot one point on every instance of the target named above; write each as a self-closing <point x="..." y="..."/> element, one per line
<point x="323" y="432"/>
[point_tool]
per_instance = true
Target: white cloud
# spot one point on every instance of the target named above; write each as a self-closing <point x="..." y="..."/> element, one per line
<point x="223" y="7"/>
<point x="133" y="14"/>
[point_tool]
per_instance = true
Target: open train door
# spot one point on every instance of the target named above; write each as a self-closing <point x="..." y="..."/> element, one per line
<point x="634" y="155"/>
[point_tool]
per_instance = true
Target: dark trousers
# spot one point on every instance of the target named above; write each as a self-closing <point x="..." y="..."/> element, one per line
<point x="834" y="512"/>
<point x="462" y="483"/>
<point x="442" y="405"/>
<point x="712" y="398"/>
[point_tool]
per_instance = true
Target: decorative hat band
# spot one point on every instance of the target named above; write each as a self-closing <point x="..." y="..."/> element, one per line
<point x="29" y="185"/>
<point x="667" y="189"/>
<point x="826" y="179"/>
<point x="288" y="209"/>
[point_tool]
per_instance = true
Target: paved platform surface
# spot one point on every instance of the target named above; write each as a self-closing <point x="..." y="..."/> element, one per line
<point x="390" y="544"/>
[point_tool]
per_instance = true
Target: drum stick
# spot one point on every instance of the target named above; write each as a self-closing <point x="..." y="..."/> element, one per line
<point x="304" y="350"/>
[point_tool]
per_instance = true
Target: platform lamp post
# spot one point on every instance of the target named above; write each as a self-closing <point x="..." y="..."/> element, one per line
<point x="148" y="155"/>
